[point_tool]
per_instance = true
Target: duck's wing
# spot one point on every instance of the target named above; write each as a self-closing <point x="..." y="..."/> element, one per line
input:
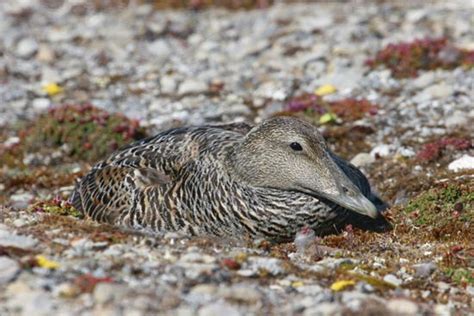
<point x="126" y="183"/>
<point x="240" y="128"/>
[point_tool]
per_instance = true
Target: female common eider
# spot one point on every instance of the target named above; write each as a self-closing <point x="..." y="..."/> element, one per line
<point x="264" y="181"/>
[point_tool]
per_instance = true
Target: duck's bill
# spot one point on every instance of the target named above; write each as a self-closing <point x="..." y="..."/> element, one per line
<point x="359" y="204"/>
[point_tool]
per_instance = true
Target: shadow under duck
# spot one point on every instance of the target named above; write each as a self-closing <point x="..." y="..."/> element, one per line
<point x="237" y="180"/>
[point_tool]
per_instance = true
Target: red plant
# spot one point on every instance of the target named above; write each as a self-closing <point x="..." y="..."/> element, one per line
<point x="407" y="58"/>
<point x="348" y="109"/>
<point x="87" y="282"/>
<point x="434" y="150"/>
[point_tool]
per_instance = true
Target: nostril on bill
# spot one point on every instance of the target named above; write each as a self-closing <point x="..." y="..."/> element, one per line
<point x="345" y="190"/>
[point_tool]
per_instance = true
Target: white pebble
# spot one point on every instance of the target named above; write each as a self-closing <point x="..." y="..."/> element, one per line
<point x="465" y="162"/>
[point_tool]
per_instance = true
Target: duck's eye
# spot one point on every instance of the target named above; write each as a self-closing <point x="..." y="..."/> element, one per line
<point x="296" y="146"/>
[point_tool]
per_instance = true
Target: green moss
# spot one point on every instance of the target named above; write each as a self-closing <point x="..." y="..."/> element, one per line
<point x="89" y="133"/>
<point x="57" y="206"/>
<point x="460" y="276"/>
<point x="442" y="206"/>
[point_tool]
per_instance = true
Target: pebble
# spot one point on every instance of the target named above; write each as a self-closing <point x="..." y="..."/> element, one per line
<point x="362" y="159"/>
<point x="443" y="310"/>
<point x="207" y="289"/>
<point x="160" y="50"/>
<point x="470" y="290"/>
<point x="109" y="292"/>
<point x="41" y="104"/>
<point x="390" y="278"/>
<point x="168" y="84"/>
<point x="443" y="287"/>
<point x="32" y="302"/>
<point x="255" y="265"/>
<point x="45" y="54"/>
<point x="424" y="80"/>
<point x="21" y="200"/>
<point x="457" y="119"/>
<point x="240" y="293"/>
<point x="11" y="141"/>
<point x="192" y="86"/>
<point x="324" y="309"/>
<point x="438" y="91"/>
<point x="465" y="162"/>
<point x="8" y="269"/>
<point x="218" y="309"/>
<point x="9" y="239"/>
<point x="424" y="270"/>
<point x="26" y="47"/>
<point x="402" y="307"/>
<point x="382" y="150"/>
<point x="197" y="257"/>
<point x="19" y="222"/>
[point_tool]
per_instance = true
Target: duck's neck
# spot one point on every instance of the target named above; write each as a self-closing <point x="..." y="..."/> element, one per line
<point x="241" y="164"/>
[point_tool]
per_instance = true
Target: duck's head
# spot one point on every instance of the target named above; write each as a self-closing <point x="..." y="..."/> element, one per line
<point x="290" y="154"/>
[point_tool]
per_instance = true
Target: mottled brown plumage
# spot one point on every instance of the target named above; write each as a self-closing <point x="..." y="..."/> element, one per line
<point x="267" y="181"/>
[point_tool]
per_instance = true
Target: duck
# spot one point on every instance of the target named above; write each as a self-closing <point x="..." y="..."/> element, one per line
<point x="259" y="181"/>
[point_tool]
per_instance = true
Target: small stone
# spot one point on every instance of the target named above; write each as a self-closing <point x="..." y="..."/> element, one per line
<point x="470" y="290"/>
<point x="21" y="200"/>
<point x="45" y="54"/>
<point x="19" y="222"/>
<point x="402" y="307"/>
<point x="109" y="292"/>
<point x="8" y="239"/>
<point x="192" y="86"/>
<point x="424" y="270"/>
<point x="13" y="140"/>
<point x="208" y="289"/>
<point x="41" y="104"/>
<point x="310" y="290"/>
<point x="160" y="50"/>
<point x="390" y="278"/>
<point x="66" y="290"/>
<point x="442" y="310"/>
<point x="8" y="270"/>
<point x="218" y="309"/>
<point x="458" y="118"/>
<point x="240" y="293"/>
<point x="255" y="265"/>
<point x="382" y="150"/>
<point x="197" y="257"/>
<point x="423" y="80"/>
<point x="443" y="287"/>
<point x="168" y="85"/>
<point x="324" y="309"/>
<point x="465" y="162"/>
<point x="438" y="91"/>
<point x="405" y="152"/>
<point x="362" y="159"/>
<point x="353" y="299"/>
<point x="29" y="301"/>
<point x="26" y="47"/>
<point x="183" y="311"/>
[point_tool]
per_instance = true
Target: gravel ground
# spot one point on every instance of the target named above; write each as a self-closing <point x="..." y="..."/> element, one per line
<point x="173" y="68"/>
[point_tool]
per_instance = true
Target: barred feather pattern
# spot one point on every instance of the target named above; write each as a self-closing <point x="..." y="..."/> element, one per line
<point x="178" y="181"/>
